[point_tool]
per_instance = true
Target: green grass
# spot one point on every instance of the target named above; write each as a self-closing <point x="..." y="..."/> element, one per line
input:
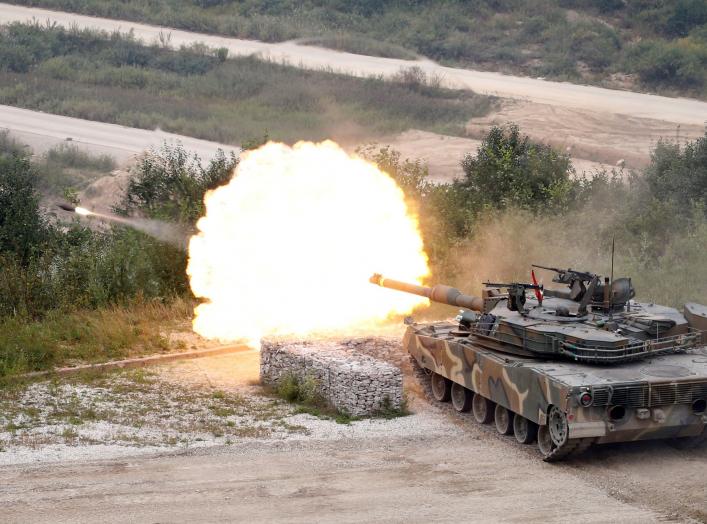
<point x="66" y="167"/>
<point x="581" y="41"/>
<point x="62" y="167"/>
<point x="90" y="336"/>
<point x="196" y="93"/>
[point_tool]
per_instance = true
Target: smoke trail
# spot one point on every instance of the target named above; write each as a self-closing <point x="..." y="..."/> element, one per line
<point x="167" y="232"/>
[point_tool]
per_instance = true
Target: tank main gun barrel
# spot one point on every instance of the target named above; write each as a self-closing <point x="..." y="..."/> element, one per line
<point x="439" y="293"/>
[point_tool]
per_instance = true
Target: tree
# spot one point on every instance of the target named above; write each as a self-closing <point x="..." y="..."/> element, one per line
<point x="23" y="230"/>
<point x="509" y="170"/>
<point x="686" y="14"/>
<point x="679" y="173"/>
<point x="170" y="184"/>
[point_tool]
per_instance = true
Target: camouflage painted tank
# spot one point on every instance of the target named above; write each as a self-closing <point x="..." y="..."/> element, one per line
<point x="567" y="368"/>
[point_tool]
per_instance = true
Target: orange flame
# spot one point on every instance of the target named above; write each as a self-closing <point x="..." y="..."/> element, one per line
<point x="288" y="245"/>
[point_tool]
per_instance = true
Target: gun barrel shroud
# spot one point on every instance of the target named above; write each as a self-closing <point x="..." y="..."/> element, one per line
<point x="439" y="293"/>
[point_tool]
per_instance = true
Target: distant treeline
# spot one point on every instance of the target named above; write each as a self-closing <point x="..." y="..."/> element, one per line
<point x="664" y="44"/>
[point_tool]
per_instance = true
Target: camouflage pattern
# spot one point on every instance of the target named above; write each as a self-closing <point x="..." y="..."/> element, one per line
<point x="656" y="395"/>
<point x="586" y="364"/>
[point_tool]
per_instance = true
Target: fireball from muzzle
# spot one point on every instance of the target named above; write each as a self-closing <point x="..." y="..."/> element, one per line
<point x="288" y="245"/>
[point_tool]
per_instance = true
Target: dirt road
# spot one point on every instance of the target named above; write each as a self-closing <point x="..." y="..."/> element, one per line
<point x="435" y="465"/>
<point x="355" y="481"/>
<point x="676" y="110"/>
<point x="42" y="131"/>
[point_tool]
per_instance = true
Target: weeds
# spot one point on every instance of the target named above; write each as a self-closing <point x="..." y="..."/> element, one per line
<point x="138" y="406"/>
<point x="661" y="42"/>
<point x="192" y="92"/>
<point x="66" y="167"/>
<point x="63" y="339"/>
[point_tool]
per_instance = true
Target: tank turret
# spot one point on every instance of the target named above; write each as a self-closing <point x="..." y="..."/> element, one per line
<point x="589" y="322"/>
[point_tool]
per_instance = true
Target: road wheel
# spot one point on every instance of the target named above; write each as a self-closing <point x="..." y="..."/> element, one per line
<point x="483" y="409"/>
<point x="545" y="444"/>
<point x="441" y="388"/>
<point x="558" y="426"/>
<point x="504" y="420"/>
<point x="461" y="398"/>
<point x="553" y="438"/>
<point x="524" y="430"/>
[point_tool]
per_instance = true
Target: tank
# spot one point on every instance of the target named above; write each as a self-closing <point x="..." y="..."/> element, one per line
<point x="567" y="368"/>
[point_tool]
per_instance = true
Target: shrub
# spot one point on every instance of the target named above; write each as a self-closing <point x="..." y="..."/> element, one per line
<point x="595" y="44"/>
<point x="526" y="37"/>
<point x="170" y="184"/>
<point x="69" y="155"/>
<point x="664" y="64"/>
<point x="510" y="170"/>
<point x="23" y="230"/>
<point x="680" y="172"/>
<point x="303" y="390"/>
<point x="685" y="15"/>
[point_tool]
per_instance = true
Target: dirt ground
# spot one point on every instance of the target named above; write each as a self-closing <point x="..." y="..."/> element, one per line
<point x="595" y="135"/>
<point x="595" y="140"/>
<point x="433" y="465"/>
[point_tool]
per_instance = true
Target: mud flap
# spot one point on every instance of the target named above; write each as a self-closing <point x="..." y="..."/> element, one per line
<point x="587" y="429"/>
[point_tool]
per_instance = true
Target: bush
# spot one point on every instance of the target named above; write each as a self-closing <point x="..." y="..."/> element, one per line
<point x="685" y="15"/>
<point x="69" y="155"/>
<point x="193" y="92"/>
<point x="595" y="44"/>
<point x="666" y="64"/>
<point x="170" y="184"/>
<point x="509" y="170"/>
<point x="539" y="37"/>
<point x="679" y="173"/>
<point x="23" y="230"/>
<point x="45" y="268"/>
<point x="302" y="390"/>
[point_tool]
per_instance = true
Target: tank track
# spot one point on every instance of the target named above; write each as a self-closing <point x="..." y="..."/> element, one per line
<point x="572" y="448"/>
<point x="687" y="443"/>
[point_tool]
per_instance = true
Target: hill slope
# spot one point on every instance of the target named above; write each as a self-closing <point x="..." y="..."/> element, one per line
<point x="636" y="44"/>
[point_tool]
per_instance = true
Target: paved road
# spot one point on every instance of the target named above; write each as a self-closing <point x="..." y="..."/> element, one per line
<point x="676" y="110"/>
<point x="43" y="130"/>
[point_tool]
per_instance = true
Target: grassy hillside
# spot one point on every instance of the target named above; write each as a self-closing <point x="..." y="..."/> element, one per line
<point x="197" y="92"/>
<point x="649" y="44"/>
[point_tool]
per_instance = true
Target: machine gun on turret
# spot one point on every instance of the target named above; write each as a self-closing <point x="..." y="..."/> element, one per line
<point x="577" y="281"/>
<point x="588" y="289"/>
